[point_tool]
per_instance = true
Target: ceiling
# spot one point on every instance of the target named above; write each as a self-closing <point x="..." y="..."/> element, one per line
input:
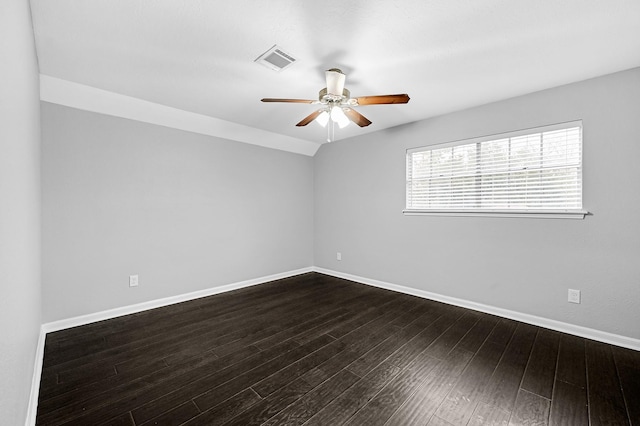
<point x="198" y="56"/>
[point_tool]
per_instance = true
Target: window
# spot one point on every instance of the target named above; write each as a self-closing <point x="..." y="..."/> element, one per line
<point x="535" y="172"/>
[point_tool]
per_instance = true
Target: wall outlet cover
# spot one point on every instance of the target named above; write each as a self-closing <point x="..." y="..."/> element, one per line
<point x="574" y="296"/>
<point x="133" y="280"/>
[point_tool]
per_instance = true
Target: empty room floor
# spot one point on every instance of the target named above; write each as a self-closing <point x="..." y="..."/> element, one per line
<point x="318" y="350"/>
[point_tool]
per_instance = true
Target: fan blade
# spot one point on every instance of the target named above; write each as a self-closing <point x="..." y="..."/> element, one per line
<point x="383" y="99"/>
<point x="356" y="117"/>
<point x="309" y="118"/>
<point x="297" y="101"/>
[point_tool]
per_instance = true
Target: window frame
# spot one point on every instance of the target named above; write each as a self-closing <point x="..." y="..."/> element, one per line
<point x="506" y="212"/>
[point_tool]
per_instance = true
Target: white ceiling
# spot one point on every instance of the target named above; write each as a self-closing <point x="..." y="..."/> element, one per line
<point x="198" y="55"/>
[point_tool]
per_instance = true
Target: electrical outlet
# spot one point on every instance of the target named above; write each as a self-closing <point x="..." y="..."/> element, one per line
<point x="338" y="256"/>
<point x="133" y="281"/>
<point x="574" y="296"/>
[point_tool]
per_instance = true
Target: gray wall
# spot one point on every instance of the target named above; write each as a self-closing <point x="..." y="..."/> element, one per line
<point x="525" y="265"/>
<point x="184" y="211"/>
<point x="19" y="209"/>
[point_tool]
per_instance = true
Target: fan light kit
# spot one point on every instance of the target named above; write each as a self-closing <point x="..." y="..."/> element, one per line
<point x="338" y="105"/>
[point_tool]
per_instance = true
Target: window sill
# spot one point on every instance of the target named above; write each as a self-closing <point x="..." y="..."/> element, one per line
<point x="537" y="214"/>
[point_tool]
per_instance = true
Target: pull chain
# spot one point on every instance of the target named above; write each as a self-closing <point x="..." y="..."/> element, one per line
<point x="330" y="130"/>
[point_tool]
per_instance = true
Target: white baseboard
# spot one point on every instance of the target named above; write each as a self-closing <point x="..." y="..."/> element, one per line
<point x="152" y="304"/>
<point x="576" y="330"/>
<point x="32" y="409"/>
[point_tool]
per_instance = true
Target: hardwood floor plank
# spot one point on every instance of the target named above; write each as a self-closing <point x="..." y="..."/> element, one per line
<point x="421" y="406"/>
<point x="502" y="332"/>
<point x="460" y="403"/>
<point x="628" y="364"/>
<point x="266" y="408"/>
<point x="224" y="412"/>
<point x="338" y="411"/>
<point x="141" y="365"/>
<point x="487" y="415"/>
<point x="530" y="410"/>
<point x="93" y="372"/>
<point x="606" y="403"/>
<point x="478" y="334"/>
<point x="404" y="355"/>
<point x="418" y="309"/>
<point x="437" y="421"/>
<point x="298" y="368"/>
<point x="292" y="319"/>
<point x="304" y="408"/>
<point x="175" y="416"/>
<point x="541" y="369"/>
<point x="310" y="333"/>
<point x="379" y="353"/>
<point x="571" y="361"/>
<point x="70" y="349"/>
<point x="119" y="397"/>
<point x="120" y="383"/>
<point x="502" y="390"/>
<point x="382" y="406"/>
<point x="122" y="420"/>
<point x="569" y="405"/>
<point x="354" y="342"/>
<point x="295" y="331"/>
<point x="138" y="398"/>
<point x="344" y="359"/>
<point x="147" y="347"/>
<point x="211" y="390"/>
<point x="447" y="340"/>
<point x="348" y="326"/>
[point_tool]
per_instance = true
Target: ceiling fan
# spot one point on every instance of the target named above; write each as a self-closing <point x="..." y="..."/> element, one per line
<point x="338" y="105"/>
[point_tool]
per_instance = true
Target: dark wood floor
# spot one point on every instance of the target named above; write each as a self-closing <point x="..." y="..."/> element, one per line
<point x="317" y="350"/>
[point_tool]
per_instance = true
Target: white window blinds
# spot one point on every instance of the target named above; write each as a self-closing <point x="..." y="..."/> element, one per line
<point x="534" y="169"/>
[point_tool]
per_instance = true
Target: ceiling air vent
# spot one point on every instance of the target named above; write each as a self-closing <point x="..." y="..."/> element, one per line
<point x="275" y="59"/>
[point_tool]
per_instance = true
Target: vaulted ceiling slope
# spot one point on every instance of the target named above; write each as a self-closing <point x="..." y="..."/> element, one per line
<point x="190" y="63"/>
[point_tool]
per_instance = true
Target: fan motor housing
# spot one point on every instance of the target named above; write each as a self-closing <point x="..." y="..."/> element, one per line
<point x="326" y="97"/>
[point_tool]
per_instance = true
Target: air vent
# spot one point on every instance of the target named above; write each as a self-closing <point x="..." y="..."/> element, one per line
<point x="275" y="59"/>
